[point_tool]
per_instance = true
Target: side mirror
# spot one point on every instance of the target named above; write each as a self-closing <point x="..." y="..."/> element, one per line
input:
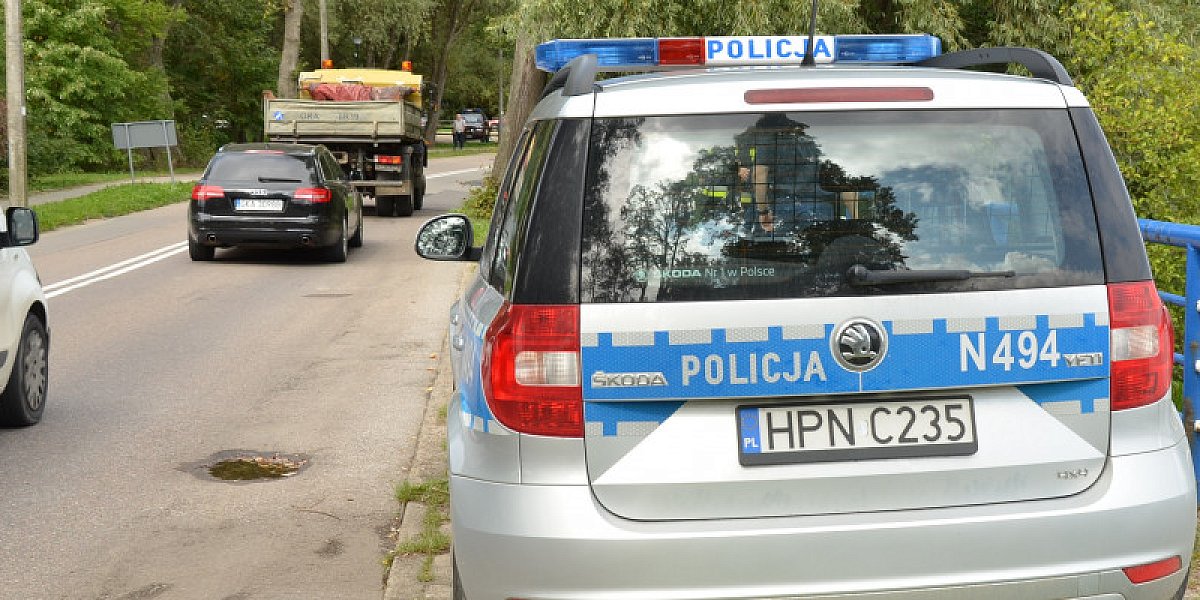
<point x="22" y="226"/>
<point x="448" y="237"/>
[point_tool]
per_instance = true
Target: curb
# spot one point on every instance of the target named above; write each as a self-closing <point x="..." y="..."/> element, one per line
<point x="404" y="579"/>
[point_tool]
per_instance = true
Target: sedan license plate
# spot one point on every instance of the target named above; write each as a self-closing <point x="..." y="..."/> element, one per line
<point x="808" y="433"/>
<point x="257" y="204"/>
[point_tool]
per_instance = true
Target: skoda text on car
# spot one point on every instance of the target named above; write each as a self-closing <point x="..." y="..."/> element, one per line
<point x="852" y="330"/>
<point x="275" y="195"/>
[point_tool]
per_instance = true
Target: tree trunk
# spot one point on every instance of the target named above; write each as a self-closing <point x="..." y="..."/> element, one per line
<point x="525" y="89"/>
<point x="290" y="56"/>
<point x="457" y="15"/>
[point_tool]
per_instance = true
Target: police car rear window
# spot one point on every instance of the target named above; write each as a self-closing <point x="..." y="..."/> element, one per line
<point x="776" y="205"/>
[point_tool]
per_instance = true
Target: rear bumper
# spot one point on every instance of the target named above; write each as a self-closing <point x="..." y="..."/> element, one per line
<point x="556" y="542"/>
<point x="292" y="232"/>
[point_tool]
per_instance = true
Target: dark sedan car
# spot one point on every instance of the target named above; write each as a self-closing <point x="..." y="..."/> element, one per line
<point x="277" y="195"/>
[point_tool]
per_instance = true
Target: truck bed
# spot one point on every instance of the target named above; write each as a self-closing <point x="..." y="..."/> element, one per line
<point x="320" y="121"/>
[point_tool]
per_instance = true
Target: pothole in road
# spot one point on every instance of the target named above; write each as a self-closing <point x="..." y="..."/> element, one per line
<point x="240" y="465"/>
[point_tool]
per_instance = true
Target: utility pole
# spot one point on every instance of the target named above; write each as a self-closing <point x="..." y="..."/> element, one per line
<point x="14" y="61"/>
<point x="324" y="35"/>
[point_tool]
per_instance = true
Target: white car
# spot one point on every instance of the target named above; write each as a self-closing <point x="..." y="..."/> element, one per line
<point x="847" y="330"/>
<point x="24" y="329"/>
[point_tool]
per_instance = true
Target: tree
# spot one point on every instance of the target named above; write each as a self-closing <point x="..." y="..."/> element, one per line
<point x="82" y="73"/>
<point x="220" y="58"/>
<point x="289" y="56"/>
<point x="451" y="19"/>
<point x="1140" y="80"/>
<point x="389" y="29"/>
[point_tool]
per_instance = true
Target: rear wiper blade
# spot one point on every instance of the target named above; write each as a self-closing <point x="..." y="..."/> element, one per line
<point x="277" y="180"/>
<point x="860" y="275"/>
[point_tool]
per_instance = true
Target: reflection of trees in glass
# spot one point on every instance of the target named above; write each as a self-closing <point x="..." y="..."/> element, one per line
<point x="685" y="232"/>
<point x="864" y="209"/>
<point x="609" y="274"/>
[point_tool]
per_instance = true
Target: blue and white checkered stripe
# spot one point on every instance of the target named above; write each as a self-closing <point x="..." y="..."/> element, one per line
<point x="797" y="360"/>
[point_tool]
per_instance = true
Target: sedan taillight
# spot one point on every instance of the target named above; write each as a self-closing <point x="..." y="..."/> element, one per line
<point x="201" y="193"/>
<point x="312" y="196"/>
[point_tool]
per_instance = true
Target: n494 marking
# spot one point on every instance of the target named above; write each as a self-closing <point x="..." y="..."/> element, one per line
<point x="1022" y="350"/>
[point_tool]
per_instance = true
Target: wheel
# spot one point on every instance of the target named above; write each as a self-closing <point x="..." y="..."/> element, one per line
<point x="456" y="590"/>
<point x="24" y="397"/>
<point x="337" y="252"/>
<point x="199" y="251"/>
<point x="419" y="199"/>
<point x="404" y="206"/>
<point x="356" y="240"/>
<point x="384" y="206"/>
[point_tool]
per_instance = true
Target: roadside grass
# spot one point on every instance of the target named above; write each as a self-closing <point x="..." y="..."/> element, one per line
<point x="58" y="181"/>
<point x="472" y="147"/>
<point x="478" y="206"/>
<point x="432" y="540"/>
<point x="110" y="202"/>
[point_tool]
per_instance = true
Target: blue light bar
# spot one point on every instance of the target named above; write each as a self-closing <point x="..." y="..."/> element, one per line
<point x="616" y="53"/>
<point x="641" y="54"/>
<point x="894" y="49"/>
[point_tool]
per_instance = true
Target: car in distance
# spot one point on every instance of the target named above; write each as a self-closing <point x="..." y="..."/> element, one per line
<point x="847" y="331"/>
<point x="24" y="328"/>
<point x="274" y="195"/>
<point x="477" y="125"/>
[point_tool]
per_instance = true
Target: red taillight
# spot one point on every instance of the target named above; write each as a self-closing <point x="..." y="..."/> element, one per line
<point x="312" y="196"/>
<point x="201" y="193"/>
<point x="1142" y="345"/>
<point x="389" y="160"/>
<point x="681" y="51"/>
<point x="1154" y="570"/>
<point x="531" y="369"/>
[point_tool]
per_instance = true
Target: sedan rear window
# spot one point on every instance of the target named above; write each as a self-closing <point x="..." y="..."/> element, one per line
<point x="775" y="205"/>
<point x="261" y="167"/>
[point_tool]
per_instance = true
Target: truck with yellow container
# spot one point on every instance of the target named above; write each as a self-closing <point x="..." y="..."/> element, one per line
<point x="370" y="119"/>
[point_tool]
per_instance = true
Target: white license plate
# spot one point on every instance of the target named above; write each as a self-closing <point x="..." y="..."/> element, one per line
<point x="806" y="433"/>
<point x="257" y="204"/>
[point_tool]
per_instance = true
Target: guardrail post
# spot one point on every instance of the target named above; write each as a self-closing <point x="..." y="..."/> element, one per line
<point x="1191" y="350"/>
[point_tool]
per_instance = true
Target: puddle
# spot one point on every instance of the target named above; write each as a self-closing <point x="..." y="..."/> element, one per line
<point x="241" y="465"/>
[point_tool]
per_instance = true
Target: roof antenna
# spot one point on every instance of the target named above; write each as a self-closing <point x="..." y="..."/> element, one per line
<point x="810" y="56"/>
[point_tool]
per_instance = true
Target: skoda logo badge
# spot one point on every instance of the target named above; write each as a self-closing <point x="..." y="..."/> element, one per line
<point x="859" y="345"/>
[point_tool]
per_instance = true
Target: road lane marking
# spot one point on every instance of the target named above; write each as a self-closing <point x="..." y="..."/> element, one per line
<point x="458" y="172"/>
<point x="149" y="258"/>
<point x="113" y="270"/>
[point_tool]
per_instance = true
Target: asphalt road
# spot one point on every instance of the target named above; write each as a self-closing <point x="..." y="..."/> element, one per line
<point x="160" y="366"/>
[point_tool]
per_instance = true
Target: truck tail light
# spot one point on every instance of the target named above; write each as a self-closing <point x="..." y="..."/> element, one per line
<point x="202" y="193"/>
<point x="1142" y="345"/>
<point x="312" y="196"/>
<point x="531" y="369"/>
<point x="389" y="160"/>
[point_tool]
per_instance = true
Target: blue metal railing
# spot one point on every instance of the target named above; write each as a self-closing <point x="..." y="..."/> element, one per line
<point x="1188" y="238"/>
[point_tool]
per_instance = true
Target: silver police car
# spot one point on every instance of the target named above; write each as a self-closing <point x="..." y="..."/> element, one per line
<point x="844" y="330"/>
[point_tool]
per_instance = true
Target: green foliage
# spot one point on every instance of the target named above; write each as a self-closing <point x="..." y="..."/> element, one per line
<point x="1140" y="80"/>
<point x="480" y="200"/>
<point x="219" y="60"/>
<point x="78" y="82"/>
<point x="388" y="30"/>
